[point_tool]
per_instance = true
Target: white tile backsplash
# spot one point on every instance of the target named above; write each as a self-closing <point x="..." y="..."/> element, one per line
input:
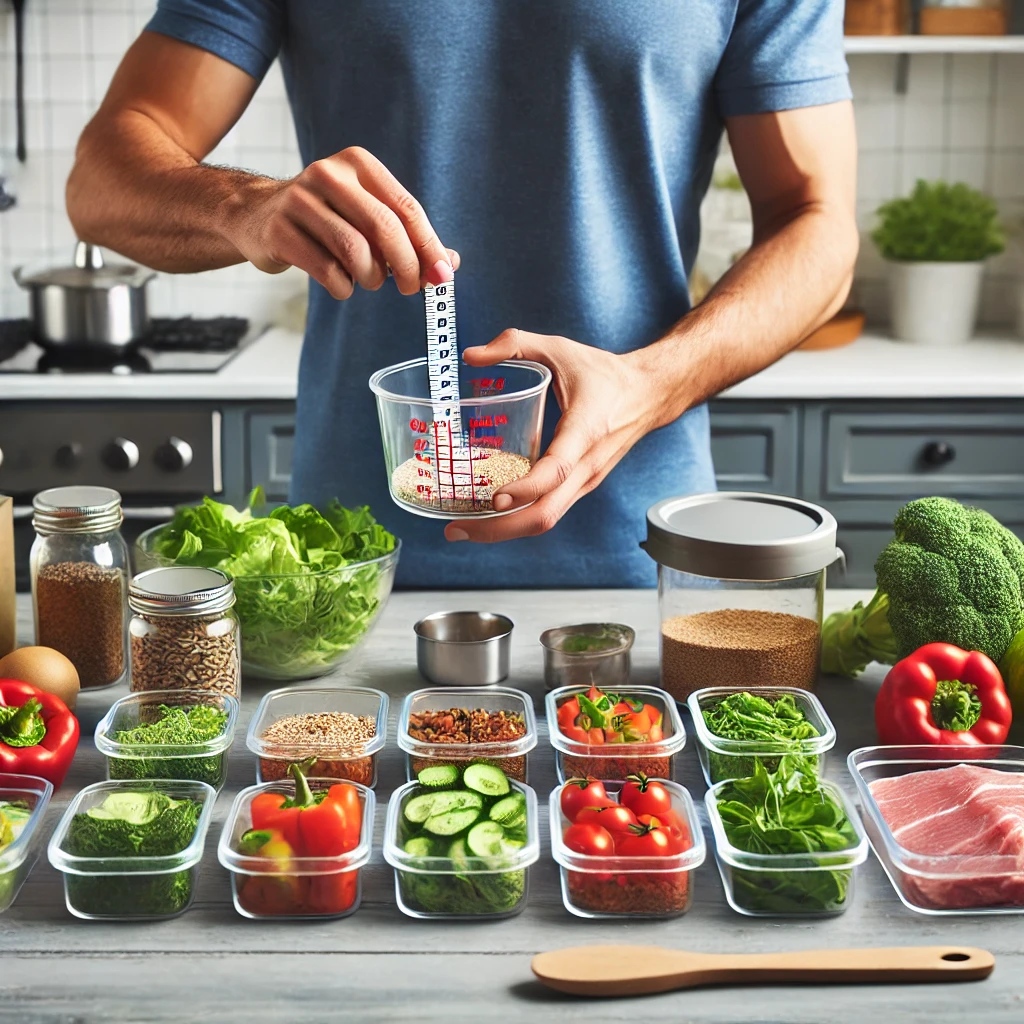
<point x="962" y="118"/>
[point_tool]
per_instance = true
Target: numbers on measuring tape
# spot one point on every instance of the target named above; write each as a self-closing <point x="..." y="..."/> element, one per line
<point x="443" y="359"/>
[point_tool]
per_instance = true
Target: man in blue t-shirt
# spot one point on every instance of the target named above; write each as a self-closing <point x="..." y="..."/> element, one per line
<point x="563" y="148"/>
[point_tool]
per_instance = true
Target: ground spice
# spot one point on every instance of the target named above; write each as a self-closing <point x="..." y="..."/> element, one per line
<point x="738" y="646"/>
<point x="491" y="470"/>
<point x="338" y="736"/>
<point x="80" y="611"/>
<point x="185" y="653"/>
<point x="629" y="893"/>
<point x="466" y="727"/>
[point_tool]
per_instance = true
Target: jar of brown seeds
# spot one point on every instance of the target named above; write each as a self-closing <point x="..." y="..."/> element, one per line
<point x="184" y="632"/>
<point x="79" y="569"/>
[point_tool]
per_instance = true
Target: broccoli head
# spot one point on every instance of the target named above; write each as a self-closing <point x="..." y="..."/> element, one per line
<point x="952" y="573"/>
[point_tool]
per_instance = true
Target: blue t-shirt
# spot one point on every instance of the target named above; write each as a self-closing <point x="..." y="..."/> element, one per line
<point x="563" y="147"/>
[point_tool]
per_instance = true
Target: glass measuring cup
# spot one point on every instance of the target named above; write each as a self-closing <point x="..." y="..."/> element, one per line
<point x="432" y="473"/>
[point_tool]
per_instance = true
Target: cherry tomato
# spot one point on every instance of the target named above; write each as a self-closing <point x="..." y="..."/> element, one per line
<point x="580" y="793"/>
<point x="676" y="828"/>
<point x="613" y="817"/>
<point x="645" y="796"/>
<point x="593" y="840"/>
<point x="644" y="840"/>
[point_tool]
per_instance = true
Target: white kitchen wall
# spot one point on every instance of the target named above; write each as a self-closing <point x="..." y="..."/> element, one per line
<point x="961" y="118"/>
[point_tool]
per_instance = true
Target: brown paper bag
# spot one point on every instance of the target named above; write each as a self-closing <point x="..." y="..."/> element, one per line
<point x="7" y="608"/>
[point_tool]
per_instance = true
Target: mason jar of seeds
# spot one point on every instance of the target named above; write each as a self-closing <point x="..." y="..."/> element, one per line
<point x="741" y="579"/>
<point x="79" y="570"/>
<point x="184" y="631"/>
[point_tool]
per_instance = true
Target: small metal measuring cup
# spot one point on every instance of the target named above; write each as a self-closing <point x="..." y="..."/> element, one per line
<point x="463" y="648"/>
<point x="604" y="665"/>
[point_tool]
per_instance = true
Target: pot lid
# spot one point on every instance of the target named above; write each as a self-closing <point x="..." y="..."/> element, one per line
<point x="88" y="270"/>
<point x="741" y="535"/>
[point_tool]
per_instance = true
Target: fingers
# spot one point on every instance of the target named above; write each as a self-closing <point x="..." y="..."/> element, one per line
<point x="294" y="247"/>
<point x="507" y="345"/>
<point x="456" y="260"/>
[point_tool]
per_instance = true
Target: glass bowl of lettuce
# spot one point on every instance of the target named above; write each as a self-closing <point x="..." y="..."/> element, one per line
<point x="309" y="583"/>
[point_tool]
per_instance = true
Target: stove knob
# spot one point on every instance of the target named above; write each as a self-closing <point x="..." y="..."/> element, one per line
<point x="174" y="455"/>
<point x="121" y="454"/>
<point x="68" y="455"/>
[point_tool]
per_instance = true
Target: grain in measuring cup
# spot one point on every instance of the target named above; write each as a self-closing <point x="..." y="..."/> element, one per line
<point x="492" y="469"/>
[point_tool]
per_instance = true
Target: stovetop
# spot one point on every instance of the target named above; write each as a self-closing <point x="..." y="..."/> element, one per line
<point x="181" y="345"/>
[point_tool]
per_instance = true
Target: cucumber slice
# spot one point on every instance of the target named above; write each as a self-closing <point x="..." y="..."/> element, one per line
<point x="441" y="776"/>
<point x="485" y="839"/>
<point x="486" y="779"/>
<point x="451" y="823"/>
<point x="424" y="805"/>
<point x="510" y="811"/>
<point x="459" y="856"/>
<point x="417" y="808"/>
<point x="419" y="846"/>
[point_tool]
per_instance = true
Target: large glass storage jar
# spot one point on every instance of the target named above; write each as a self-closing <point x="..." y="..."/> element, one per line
<point x="741" y="577"/>
<point x="79" y="569"/>
<point x="184" y="631"/>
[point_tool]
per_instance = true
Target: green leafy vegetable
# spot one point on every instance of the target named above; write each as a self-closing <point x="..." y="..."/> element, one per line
<point x="939" y="222"/>
<point x="776" y="726"/>
<point x="177" y="727"/>
<point x="299" y="604"/>
<point x="786" y="812"/>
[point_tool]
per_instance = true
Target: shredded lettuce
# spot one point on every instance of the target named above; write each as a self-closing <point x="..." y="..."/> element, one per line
<point x="298" y="615"/>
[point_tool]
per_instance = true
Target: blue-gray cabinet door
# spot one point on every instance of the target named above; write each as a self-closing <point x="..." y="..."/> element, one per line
<point x="271" y="438"/>
<point x="755" y="446"/>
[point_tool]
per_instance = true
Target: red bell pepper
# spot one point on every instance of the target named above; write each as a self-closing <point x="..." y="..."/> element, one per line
<point x="38" y="734"/>
<point x="943" y="695"/>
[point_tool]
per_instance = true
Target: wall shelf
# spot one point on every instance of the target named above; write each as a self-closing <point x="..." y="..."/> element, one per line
<point x="935" y="44"/>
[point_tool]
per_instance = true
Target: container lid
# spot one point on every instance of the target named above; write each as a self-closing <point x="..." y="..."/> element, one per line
<point x="741" y="535"/>
<point x="181" y="590"/>
<point x="88" y="271"/>
<point x="76" y="510"/>
<point x="512" y="860"/>
<point x="682" y="804"/>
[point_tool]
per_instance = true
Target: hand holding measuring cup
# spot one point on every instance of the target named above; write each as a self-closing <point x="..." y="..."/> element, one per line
<point x="608" y="403"/>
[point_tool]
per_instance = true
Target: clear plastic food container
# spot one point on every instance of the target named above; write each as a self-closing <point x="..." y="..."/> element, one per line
<point x="131" y="888"/>
<point x="433" y="473"/>
<point x="29" y="795"/>
<point x="620" y="887"/>
<point x="946" y="884"/>
<point x="507" y="754"/>
<point x="204" y="761"/>
<point x="472" y="888"/>
<point x="322" y="888"/>
<point x="722" y="758"/>
<point x="818" y="884"/>
<point x="614" y="761"/>
<point x="339" y="759"/>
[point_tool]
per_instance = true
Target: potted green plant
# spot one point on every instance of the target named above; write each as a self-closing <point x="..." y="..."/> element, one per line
<point x="936" y="241"/>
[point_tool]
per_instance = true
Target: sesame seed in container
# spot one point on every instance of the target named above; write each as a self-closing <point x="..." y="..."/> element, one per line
<point x="341" y="728"/>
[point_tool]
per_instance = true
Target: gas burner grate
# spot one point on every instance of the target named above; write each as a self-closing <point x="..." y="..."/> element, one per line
<point x="14" y="336"/>
<point x="218" y="334"/>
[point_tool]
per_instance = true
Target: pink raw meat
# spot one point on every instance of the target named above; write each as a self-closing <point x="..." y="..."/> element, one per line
<point x="970" y="811"/>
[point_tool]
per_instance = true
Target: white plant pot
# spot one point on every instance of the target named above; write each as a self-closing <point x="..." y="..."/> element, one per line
<point x="934" y="303"/>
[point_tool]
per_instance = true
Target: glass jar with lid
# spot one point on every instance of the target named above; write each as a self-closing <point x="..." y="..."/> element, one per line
<point x="79" y="570"/>
<point x="184" y="632"/>
<point x="741" y="580"/>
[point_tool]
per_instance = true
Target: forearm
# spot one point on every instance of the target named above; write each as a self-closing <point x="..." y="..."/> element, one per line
<point x="134" y="190"/>
<point x="789" y="282"/>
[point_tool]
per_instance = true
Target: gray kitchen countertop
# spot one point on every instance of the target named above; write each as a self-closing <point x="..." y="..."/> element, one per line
<point x="212" y="966"/>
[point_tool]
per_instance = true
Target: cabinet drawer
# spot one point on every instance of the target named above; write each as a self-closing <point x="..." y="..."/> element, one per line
<point x="912" y="454"/>
<point x="754" y="449"/>
<point x="271" y="438"/>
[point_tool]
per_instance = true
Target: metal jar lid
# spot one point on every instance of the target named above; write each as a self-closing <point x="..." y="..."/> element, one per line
<point x="181" y="590"/>
<point x="76" y="510"/>
<point x="741" y="535"/>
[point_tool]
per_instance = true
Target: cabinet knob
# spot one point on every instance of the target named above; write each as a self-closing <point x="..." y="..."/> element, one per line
<point x="174" y="455"/>
<point x="938" y="453"/>
<point x="68" y="455"/>
<point x="121" y="454"/>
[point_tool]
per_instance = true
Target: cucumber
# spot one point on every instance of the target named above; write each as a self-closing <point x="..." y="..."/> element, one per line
<point x="419" y="846"/>
<point x="441" y="776"/>
<point x="423" y="806"/>
<point x="451" y="823"/>
<point x="459" y="856"/>
<point x="510" y="811"/>
<point x="485" y="839"/>
<point x="417" y="808"/>
<point x="486" y="779"/>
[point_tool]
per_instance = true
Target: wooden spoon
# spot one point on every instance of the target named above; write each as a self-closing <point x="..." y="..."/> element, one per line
<point x="639" y="970"/>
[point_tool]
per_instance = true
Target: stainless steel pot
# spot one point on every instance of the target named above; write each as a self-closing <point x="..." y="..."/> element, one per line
<point x="89" y="303"/>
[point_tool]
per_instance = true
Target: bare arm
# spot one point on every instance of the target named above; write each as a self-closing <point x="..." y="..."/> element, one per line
<point x="799" y="169"/>
<point x="139" y="186"/>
